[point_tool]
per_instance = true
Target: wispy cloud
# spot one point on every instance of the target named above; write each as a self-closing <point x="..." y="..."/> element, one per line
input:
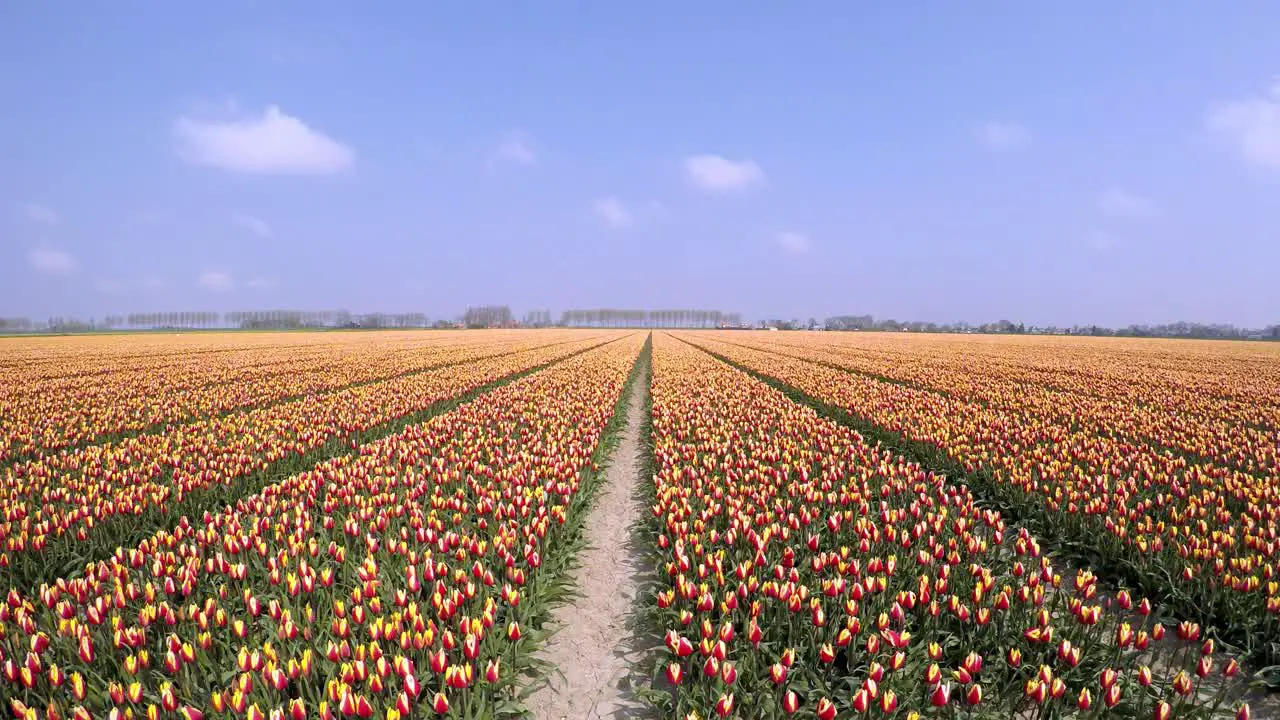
<point x="999" y="135"/>
<point x="1251" y="127"/>
<point x="793" y="243"/>
<point x="1102" y="241"/>
<point x="255" y="225"/>
<point x="515" y="149"/>
<point x="273" y="143"/>
<point x="216" y="281"/>
<point x="262" y="283"/>
<point x="51" y="261"/>
<point x="1122" y="204"/>
<point x="613" y="212"/>
<point x="718" y="174"/>
<point x="41" y="214"/>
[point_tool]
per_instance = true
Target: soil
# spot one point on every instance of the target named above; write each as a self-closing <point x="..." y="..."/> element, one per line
<point x="594" y="648"/>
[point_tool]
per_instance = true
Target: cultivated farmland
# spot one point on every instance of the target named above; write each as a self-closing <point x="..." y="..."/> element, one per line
<point x="829" y="525"/>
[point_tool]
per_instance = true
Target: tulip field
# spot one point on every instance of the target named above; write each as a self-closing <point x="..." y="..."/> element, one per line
<point x="377" y="524"/>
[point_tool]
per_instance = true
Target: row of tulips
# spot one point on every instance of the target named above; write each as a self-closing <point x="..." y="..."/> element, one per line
<point x="59" y="511"/>
<point x="1236" y="435"/>
<point x="398" y="582"/>
<point x="1231" y="381"/>
<point x="1206" y="542"/>
<point x="41" y="359"/>
<point x="806" y="573"/>
<point x="45" y="416"/>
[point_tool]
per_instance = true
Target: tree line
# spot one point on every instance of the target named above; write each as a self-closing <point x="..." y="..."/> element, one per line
<point x="241" y="319"/>
<point x="496" y="316"/>
<point x="608" y="317"/>
<point x="1182" y="329"/>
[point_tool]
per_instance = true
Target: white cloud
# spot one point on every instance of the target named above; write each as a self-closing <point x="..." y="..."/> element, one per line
<point x="257" y="226"/>
<point x="792" y="242"/>
<point x="262" y="283"/>
<point x="1251" y="126"/>
<point x="514" y="149"/>
<point x="1002" y="135"/>
<point x="49" y="261"/>
<point x="41" y="214"/>
<point x="716" y="174"/>
<point x="215" y="281"/>
<point x="273" y="143"/>
<point x="1122" y="204"/>
<point x="1102" y="241"/>
<point x="613" y="212"/>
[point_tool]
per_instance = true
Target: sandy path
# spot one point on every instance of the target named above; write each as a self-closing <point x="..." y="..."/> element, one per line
<point x="593" y="647"/>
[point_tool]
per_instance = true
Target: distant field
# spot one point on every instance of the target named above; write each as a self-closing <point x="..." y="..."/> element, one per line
<point x="377" y="524"/>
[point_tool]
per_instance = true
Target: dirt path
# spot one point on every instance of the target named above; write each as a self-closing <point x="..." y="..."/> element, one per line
<point x="593" y="648"/>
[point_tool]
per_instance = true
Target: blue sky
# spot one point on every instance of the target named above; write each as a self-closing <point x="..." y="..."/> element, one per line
<point x="1083" y="162"/>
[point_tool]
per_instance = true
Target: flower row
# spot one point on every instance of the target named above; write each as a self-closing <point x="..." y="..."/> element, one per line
<point x="44" y="415"/>
<point x="1205" y="539"/>
<point x="808" y="573"/>
<point x="396" y="581"/>
<point x="1220" y="415"/>
<point x="58" y="511"/>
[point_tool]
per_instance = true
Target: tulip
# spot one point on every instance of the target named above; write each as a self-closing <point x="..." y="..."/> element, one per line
<point x="724" y="706"/>
<point x="1085" y="701"/>
<point x="861" y="700"/>
<point x="440" y="704"/>
<point x="826" y="653"/>
<point x="1182" y="683"/>
<point x="940" y="695"/>
<point x="85" y="649"/>
<point x="1111" y="697"/>
<point x="1204" y="666"/>
<point x="826" y="709"/>
<point x="1036" y="690"/>
<point x="711" y="667"/>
